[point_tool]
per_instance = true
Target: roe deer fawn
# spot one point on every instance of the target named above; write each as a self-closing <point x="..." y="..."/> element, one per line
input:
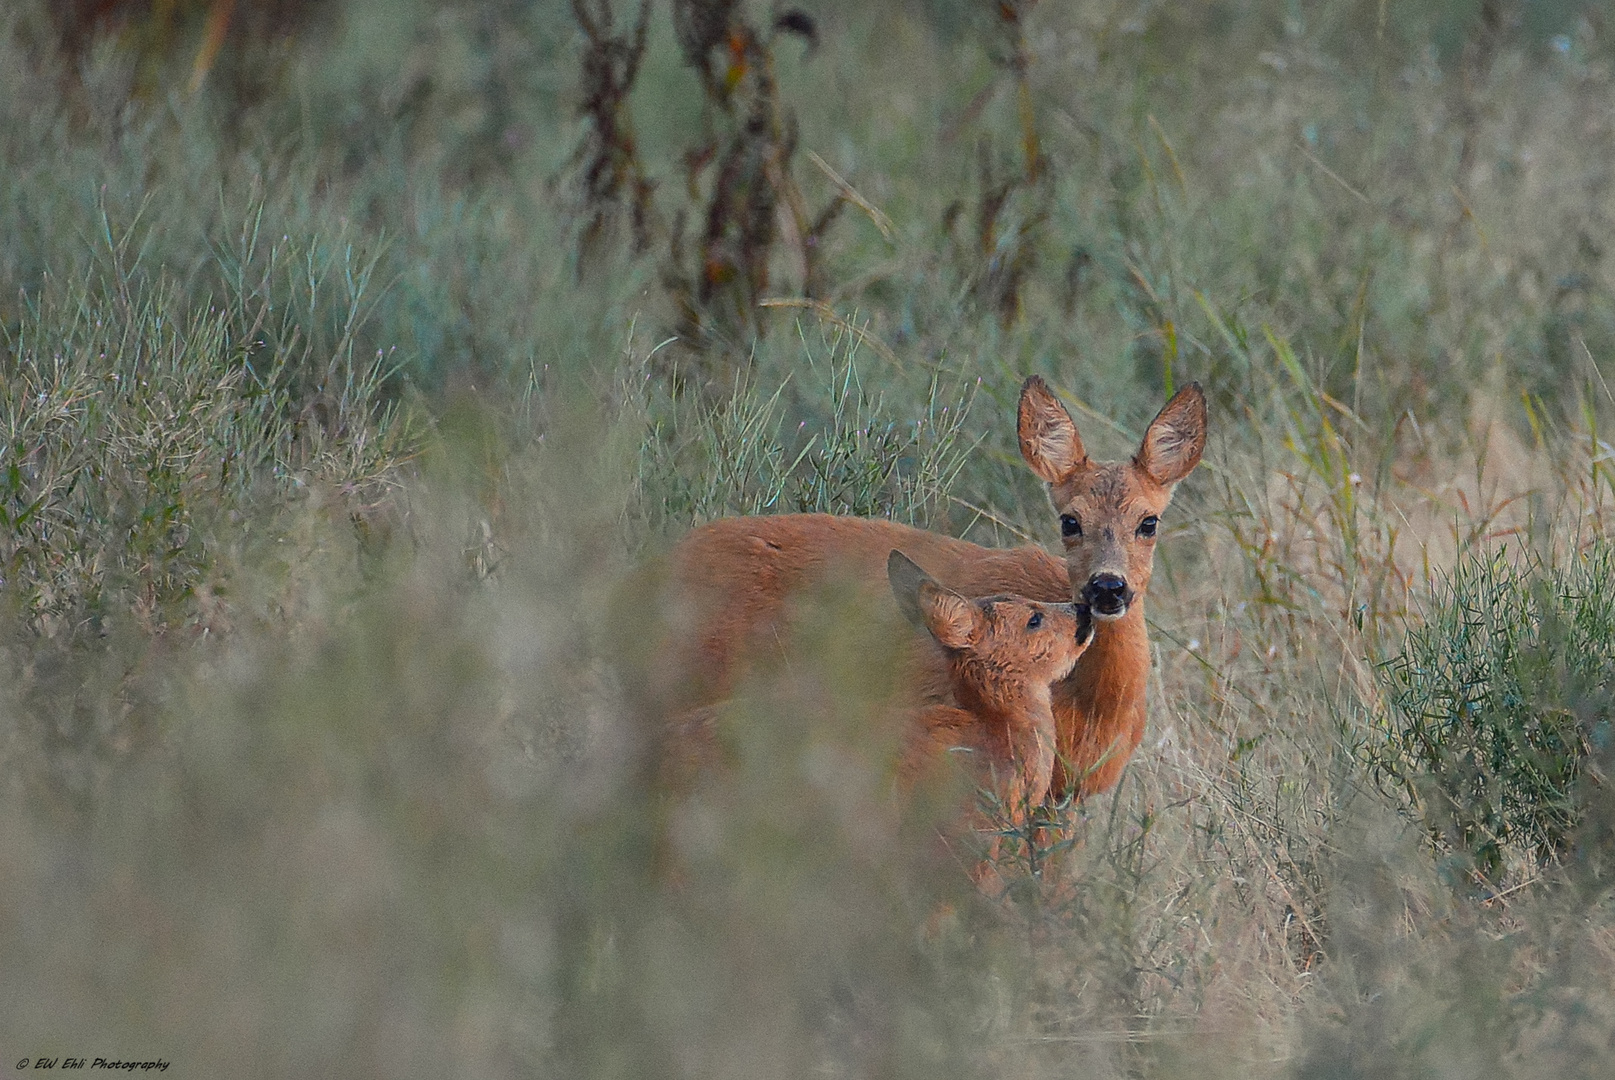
<point x="1002" y="654"/>
<point x="734" y="578"/>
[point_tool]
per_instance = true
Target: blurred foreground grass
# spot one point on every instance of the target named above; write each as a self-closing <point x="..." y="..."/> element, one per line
<point x="328" y="465"/>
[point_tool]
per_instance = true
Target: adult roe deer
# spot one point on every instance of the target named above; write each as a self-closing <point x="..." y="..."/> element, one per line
<point x="736" y="577"/>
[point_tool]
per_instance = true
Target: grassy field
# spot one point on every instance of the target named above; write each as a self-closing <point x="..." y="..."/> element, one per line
<point x="350" y="375"/>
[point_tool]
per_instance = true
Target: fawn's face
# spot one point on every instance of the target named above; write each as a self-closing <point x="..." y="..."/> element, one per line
<point x="1006" y="639"/>
<point x="1019" y="639"/>
<point x="1110" y="510"/>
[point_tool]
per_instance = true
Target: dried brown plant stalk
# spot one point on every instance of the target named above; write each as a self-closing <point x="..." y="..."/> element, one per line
<point x="614" y="183"/>
<point x="1012" y="206"/>
<point x="752" y="203"/>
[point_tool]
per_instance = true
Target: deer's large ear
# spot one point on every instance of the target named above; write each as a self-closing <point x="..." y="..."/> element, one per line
<point x="949" y="617"/>
<point x="1176" y="437"/>
<point x="1049" y="440"/>
<point x="954" y="621"/>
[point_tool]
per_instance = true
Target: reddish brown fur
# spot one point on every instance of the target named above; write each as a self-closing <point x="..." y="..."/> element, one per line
<point x="974" y="699"/>
<point x="1100" y="709"/>
<point x="999" y="668"/>
<point x="734" y="577"/>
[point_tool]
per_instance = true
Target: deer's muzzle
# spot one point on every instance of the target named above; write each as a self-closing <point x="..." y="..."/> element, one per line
<point x="1108" y="595"/>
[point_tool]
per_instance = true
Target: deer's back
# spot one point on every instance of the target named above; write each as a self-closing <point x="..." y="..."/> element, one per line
<point x="734" y="578"/>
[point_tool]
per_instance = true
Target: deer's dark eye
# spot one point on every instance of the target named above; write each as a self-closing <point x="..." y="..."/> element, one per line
<point x="1147" y="526"/>
<point x="1035" y="621"/>
<point x="1070" y="526"/>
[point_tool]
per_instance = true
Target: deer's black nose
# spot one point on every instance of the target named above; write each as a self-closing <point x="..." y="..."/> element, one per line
<point x="1107" y="594"/>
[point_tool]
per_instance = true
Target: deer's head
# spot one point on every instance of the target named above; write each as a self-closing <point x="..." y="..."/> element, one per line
<point x="1110" y="510"/>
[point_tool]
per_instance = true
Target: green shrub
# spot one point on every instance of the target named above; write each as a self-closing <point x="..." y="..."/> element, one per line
<point x="1495" y="702"/>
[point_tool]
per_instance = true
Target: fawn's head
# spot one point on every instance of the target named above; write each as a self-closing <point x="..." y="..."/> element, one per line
<point x="1109" y="510"/>
<point x="993" y="642"/>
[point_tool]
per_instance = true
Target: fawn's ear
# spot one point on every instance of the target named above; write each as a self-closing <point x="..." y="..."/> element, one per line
<point x="1176" y="437"/>
<point x="906" y="578"/>
<point x="1049" y="440"/>
<point x="949" y="617"/>
<point x="954" y="621"/>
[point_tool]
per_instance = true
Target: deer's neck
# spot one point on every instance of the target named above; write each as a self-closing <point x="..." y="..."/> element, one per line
<point x="1007" y="703"/>
<point x="1018" y="720"/>
<point x="1099" y="709"/>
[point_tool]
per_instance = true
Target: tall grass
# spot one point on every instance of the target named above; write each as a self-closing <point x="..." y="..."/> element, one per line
<point x="137" y="422"/>
<point x="860" y="456"/>
<point x="331" y="477"/>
